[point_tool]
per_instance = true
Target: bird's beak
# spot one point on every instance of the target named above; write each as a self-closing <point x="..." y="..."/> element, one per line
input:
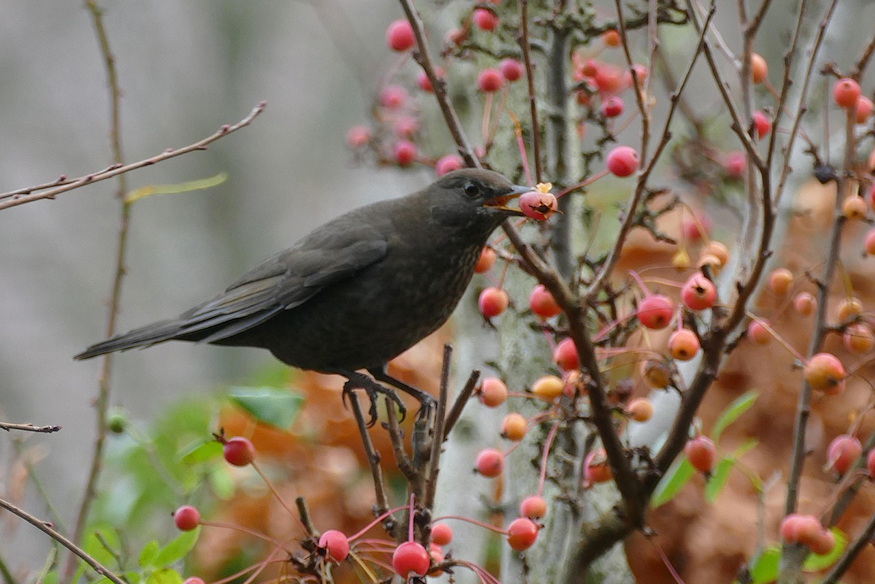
<point x="500" y="202"/>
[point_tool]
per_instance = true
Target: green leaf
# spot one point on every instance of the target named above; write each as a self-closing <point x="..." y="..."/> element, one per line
<point x="764" y="567"/>
<point x="676" y="477"/>
<point x="132" y="577"/>
<point x="148" y="553"/>
<point x="221" y="482"/>
<point x="177" y="548"/>
<point x="718" y="479"/>
<point x="194" y="185"/>
<point x="164" y="576"/>
<point x="275" y="406"/>
<point x="740" y="405"/>
<point x="816" y="563"/>
<point x="202" y="452"/>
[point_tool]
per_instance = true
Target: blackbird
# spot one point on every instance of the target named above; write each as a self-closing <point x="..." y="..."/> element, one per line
<point x="357" y="291"/>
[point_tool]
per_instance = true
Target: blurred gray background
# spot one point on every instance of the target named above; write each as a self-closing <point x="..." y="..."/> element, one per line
<point x="185" y="68"/>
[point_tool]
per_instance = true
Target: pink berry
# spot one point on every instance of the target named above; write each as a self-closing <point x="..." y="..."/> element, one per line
<point x="358" y="137"/>
<point x="761" y="123"/>
<point x="698" y="292"/>
<point x="870" y="463"/>
<point x="608" y="78"/>
<point x="845" y="92"/>
<point x="734" y="164"/>
<point x="405" y="126"/>
<point x="869" y="242"/>
<point x="186" y="518"/>
<point x="514" y="427"/>
<point x="490" y="80"/>
<point x="193" y="580"/>
<point x="399" y="35"/>
<point x="393" y="96"/>
<point x="533" y="507"/>
<point x="701" y="453"/>
<point x="335" y="544"/>
<point x="804" y="303"/>
<point x="485" y="261"/>
<point x="694" y="228"/>
<point x="565" y="355"/>
<point x="842" y="453"/>
<point x="410" y="559"/>
<point x="492" y="392"/>
<point x="448" y="163"/>
<point x="521" y="534"/>
<point x="780" y="281"/>
<point x="404" y="152"/>
<point x="822" y="543"/>
<point x="622" y="161"/>
<point x="490" y="462"/>
<point x="542" y="302"/>
<point x="655" y="311"/>
<point x="612" y="107"/>
<point x="537" y="205"/>
<point x="492" y="301"/>
<point x="863" y="109"/>
<point x="511" y="69"/>
<point x="238" y="451"/>
<point x="441" y="533"/>
<point x="758" y="332"/>
<point x="485" y="19"/>
<point x="824" y="372"/>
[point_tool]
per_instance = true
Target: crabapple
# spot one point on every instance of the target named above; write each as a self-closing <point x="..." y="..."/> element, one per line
<point x="537" y="205"/>
<point x="640" y="409"/>
<point x="780" y="281"/>
<point x="490" y="462"/>
<point x="608" y="78"/>
<point x="548" y="387"/>
<point x="655" y="311"/>
<point x="533" y="507"/>
<point x="759" y="69"/>
<point x="511" y="69"/>
<point x="622" y="161"/>
<point x="358" y="136"/>
<point x="448" y="163"/>
<point x="521" y="533"/>
<point x="485" y="19"/>
<point x="761" y="123"/>
<point x="238" y="451"/>
<point x="611" y="38"/>
<point x="734" y="164"/>
<point x="842" y="453"/>
<point x="410" y="558"/>
<point x="845" y="92"/>
<point x="758" y="332"/>
<point x="492" y="392"/>
<point x="822" y="543"/>
<point x="698" y="292"/>
<point x="824" y="372"/>
<point x="542" y="302"/>
<point x="335" y="544"/>
<point x="798" y="528"/>
<point x="683" y="344"/>
<point x="513" y="427"/>
<point x="565" y="355"/>
<point x="492" y="301"/>
<point x="701" y="453"/>
<point x="869" y="242"/>
<point x="399" y="35"/>
<point x="854" y="207"/>
<point x="490" y="80"/>
<point x="596" y="468"/>
<point x="870" y="463"/>
<point x="863" y="109"/>
<point x="441" y="533"/>
<point x="718" y="250"/>
<point x="404" y="152"/>
<point x="804" y="303"/>
<point x="485" y="261"/>
<point x="849" y="308"/>
<point x="393" y="96"/>
<point x="858" y="338"/>
<point x="612" y="107"/>
<point x="186" y="518"/>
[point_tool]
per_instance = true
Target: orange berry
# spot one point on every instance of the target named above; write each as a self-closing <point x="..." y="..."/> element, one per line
<point x="640" y="409"/>
<point x="780" y="281"/>
<point x="683" y="344"/>
<point x="513" y="427"/>
<point x="548" y="387"/>
<point x="759" y="69"/>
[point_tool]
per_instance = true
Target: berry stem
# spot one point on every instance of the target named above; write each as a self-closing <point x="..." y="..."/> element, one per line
<point x="778" y="337"/>
<point x="548" y="443"/>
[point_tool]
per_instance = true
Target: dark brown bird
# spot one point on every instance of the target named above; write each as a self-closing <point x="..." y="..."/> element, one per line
<point x="356" y="292"/>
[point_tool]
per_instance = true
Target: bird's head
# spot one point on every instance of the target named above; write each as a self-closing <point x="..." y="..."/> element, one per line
<point x="473" y="195"/>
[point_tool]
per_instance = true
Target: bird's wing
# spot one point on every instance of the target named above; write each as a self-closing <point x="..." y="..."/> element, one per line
<point x="285" y="281"/>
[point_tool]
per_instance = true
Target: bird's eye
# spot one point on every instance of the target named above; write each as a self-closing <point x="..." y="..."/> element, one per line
<point x="472" y="190"/>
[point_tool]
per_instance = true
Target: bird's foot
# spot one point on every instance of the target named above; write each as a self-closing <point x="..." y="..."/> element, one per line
<point x="427" y="402"/>
<point x="371" y="389"/>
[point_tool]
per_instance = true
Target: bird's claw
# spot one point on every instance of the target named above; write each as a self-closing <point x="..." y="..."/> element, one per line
<point x="371" y="389"/>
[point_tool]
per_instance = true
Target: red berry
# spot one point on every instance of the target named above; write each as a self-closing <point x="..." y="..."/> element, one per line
<point x="565" y="355"/>
<point x="698" y="292"/>
<point x="842" y="453"/>
<point x="335" y="544"/>
<point x="448" y="163"/>
<point x="358" y="137"/>
<point x="533" y="507"/>
<point x="490" y="462"/>
<point x="405" y="126"/>
<point x="521" y="534"/>
<point x="863" y="109"/>
<point x="393" y="96"/>
<point x="492" y="301"/>
<point x="655" y="311"/>
<point x="694" y="228"/>
<point x="608" y="78"/>
<point x="734" y="164"/>
<point x="701" y="453"/>
<point x="492" y="392"/>
<point x="485" y="261"/>
<point x="542" y="302"/>
<point x="824" y="372"/>
<point x="511" y="69"/>
<point x="537" y="205"/>
<point x="589" y="68"/>
<point x="845" y="92"/>
<point x="611" y="38"/>
<point x="490" y="80"/>
<point x="238" y="451"/>
<point x="404" y="152"/>
<point x="186" y="518"/>
<point x="485" y="19"/>
<point x="513" y="427"/>
<point x="622" y="161"/>
<point x="683" y="344"/>
<point x="423" y="82"/>
<point x="870" y="463"/>
<point x="759" y="69"/>
<point x="410" y="559"/>
<point x="399" y="35"/>
<point x="612" y="107"/>
<point x="441" y="534"/>
<point x="596" y="468"/>
<point x="761" y="123"/>
<point x="869" y="242"/>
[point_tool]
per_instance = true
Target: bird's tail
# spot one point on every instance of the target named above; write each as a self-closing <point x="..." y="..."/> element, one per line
<point x="142" y="337"/>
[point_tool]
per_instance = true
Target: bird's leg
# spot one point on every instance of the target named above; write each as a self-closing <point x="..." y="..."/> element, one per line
<point x="426" y="401"/>
<point x="361" y="381"/>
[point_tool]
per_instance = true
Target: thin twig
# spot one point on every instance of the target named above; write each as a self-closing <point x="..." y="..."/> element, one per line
<point x="46" y="528"/>
<point x="115" y="169"/>
<point x="371" y="454"/>
<point x="460" y="403"/>
<point x="530" y="86"/>
<point x="438" y="431"/>
<point x="29" y="428"/>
